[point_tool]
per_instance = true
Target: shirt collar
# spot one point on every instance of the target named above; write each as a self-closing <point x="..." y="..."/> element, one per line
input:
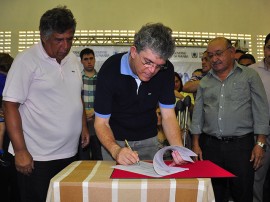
<point x="125" y="68"/>
<point x="94" y="76"/>
<point x="235" y="66"/>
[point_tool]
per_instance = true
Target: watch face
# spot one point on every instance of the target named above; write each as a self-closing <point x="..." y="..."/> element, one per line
<point x="262" y="145"/>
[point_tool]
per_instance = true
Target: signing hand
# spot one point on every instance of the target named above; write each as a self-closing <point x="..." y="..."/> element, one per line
<point x="126" y="156"/>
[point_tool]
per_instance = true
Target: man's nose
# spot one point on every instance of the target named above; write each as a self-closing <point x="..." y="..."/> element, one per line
<point x="214" y="58"/>
<point x="66" y="44"/>
<point x="152" y="68"/>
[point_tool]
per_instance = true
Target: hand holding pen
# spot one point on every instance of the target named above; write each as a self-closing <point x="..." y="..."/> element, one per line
<point x="138" y="162"/>
<point x="125" y="155"/>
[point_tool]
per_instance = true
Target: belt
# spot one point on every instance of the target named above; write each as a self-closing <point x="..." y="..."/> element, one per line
<point x="227" y="138"/>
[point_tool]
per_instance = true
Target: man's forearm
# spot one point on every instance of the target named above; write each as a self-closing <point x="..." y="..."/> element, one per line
<point x="14" y="125"/>
<point x="191" y="86"/>
<point x="172" y="131"/>
<point x="106" y="137"/>
<point x="195" y="140"/>
<point x="84" y="121"/>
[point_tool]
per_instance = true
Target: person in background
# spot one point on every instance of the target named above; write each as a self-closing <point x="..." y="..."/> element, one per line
<point x="192" y="85"/>
<point x="231" y="106"/>
<point x="2" y="135"/>
<point x="162" y="140"/>
<point x="89" y="77"/>
<point x="129" y="86"/>
<point x="263" y="68"/>
<point x="161" y="135"/>
<point x="178" y="86"/>
<point x="8" y="184"/>
<point x="5" y="63"/>
<point x="43" y="106"/>
<point x="238" y="54"/>
<point x="246" y="60"/>
<point x="181" y="115"/>
<point x="198" y="73"/>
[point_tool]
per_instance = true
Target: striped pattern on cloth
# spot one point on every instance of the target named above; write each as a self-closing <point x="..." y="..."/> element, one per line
<point x="90" y="181"/>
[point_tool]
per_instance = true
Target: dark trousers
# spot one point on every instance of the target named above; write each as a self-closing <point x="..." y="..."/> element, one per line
<point x="233" y="156"/>
<point x="8" y="176"/>
<point x="266" y="187"/>
<point x="93" y="150"/>
<point x="9" y="191"/>
<point x="33" y="188"/>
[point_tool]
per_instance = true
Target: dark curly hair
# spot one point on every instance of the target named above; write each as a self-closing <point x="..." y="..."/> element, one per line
<point x="59" y="19"/>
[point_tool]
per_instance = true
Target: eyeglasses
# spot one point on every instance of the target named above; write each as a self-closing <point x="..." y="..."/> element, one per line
<point x="217" y="53"/>
<point x="148" y="63"/>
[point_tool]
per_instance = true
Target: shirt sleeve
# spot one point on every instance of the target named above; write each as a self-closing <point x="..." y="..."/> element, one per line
<point x="103" y="93"/>
<point x="167" y="97"/>
<point x="198" y="114"/>
<point x="260" y="109"/>
<point x="18" y="81"/>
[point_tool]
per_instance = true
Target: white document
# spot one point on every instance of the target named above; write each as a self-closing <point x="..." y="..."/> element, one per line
<point x="158" y="168"/>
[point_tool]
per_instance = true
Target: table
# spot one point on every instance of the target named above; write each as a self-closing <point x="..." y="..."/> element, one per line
<point x="90" y="181"/>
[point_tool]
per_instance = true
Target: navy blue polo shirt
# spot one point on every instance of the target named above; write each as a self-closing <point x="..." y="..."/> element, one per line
<point x="132" y="110"/>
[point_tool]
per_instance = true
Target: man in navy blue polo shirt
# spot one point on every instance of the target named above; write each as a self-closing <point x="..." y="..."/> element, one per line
<point x="129" y="88"/>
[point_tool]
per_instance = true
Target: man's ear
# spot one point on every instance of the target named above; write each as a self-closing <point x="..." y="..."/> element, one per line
<point x="133" y="51"/>
<point x="42" y="38"/>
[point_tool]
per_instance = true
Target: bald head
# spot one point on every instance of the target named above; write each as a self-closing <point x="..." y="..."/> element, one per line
<point x="223" y="40"/>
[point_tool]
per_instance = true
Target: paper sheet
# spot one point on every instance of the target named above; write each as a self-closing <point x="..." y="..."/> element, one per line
<point x="158" y="168"/>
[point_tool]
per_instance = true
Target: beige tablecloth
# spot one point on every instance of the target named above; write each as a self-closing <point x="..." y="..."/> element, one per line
<point x="90" y="181"/>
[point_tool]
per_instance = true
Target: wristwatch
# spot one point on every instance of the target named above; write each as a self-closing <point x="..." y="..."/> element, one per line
<point x="262" y="145"/>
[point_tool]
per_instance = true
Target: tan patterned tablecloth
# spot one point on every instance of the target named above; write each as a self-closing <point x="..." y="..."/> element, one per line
<point x="84" y="181"/>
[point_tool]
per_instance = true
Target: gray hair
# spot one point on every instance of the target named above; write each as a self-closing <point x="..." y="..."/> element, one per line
<point x="156" y="37"/>
<point x="59" y="19"/>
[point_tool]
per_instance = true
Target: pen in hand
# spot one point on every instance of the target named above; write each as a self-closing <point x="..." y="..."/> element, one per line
<point x="138" y="162"/>
<point x="128" y="144"/>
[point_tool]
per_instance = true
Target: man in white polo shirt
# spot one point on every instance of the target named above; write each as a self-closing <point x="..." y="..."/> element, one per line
<point x="43" y="106"/>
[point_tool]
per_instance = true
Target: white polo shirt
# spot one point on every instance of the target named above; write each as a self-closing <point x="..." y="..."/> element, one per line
<point x="50" y="98"/>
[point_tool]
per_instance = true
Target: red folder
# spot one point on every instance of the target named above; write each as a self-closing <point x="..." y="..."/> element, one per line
<point x="198" y="169"/>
